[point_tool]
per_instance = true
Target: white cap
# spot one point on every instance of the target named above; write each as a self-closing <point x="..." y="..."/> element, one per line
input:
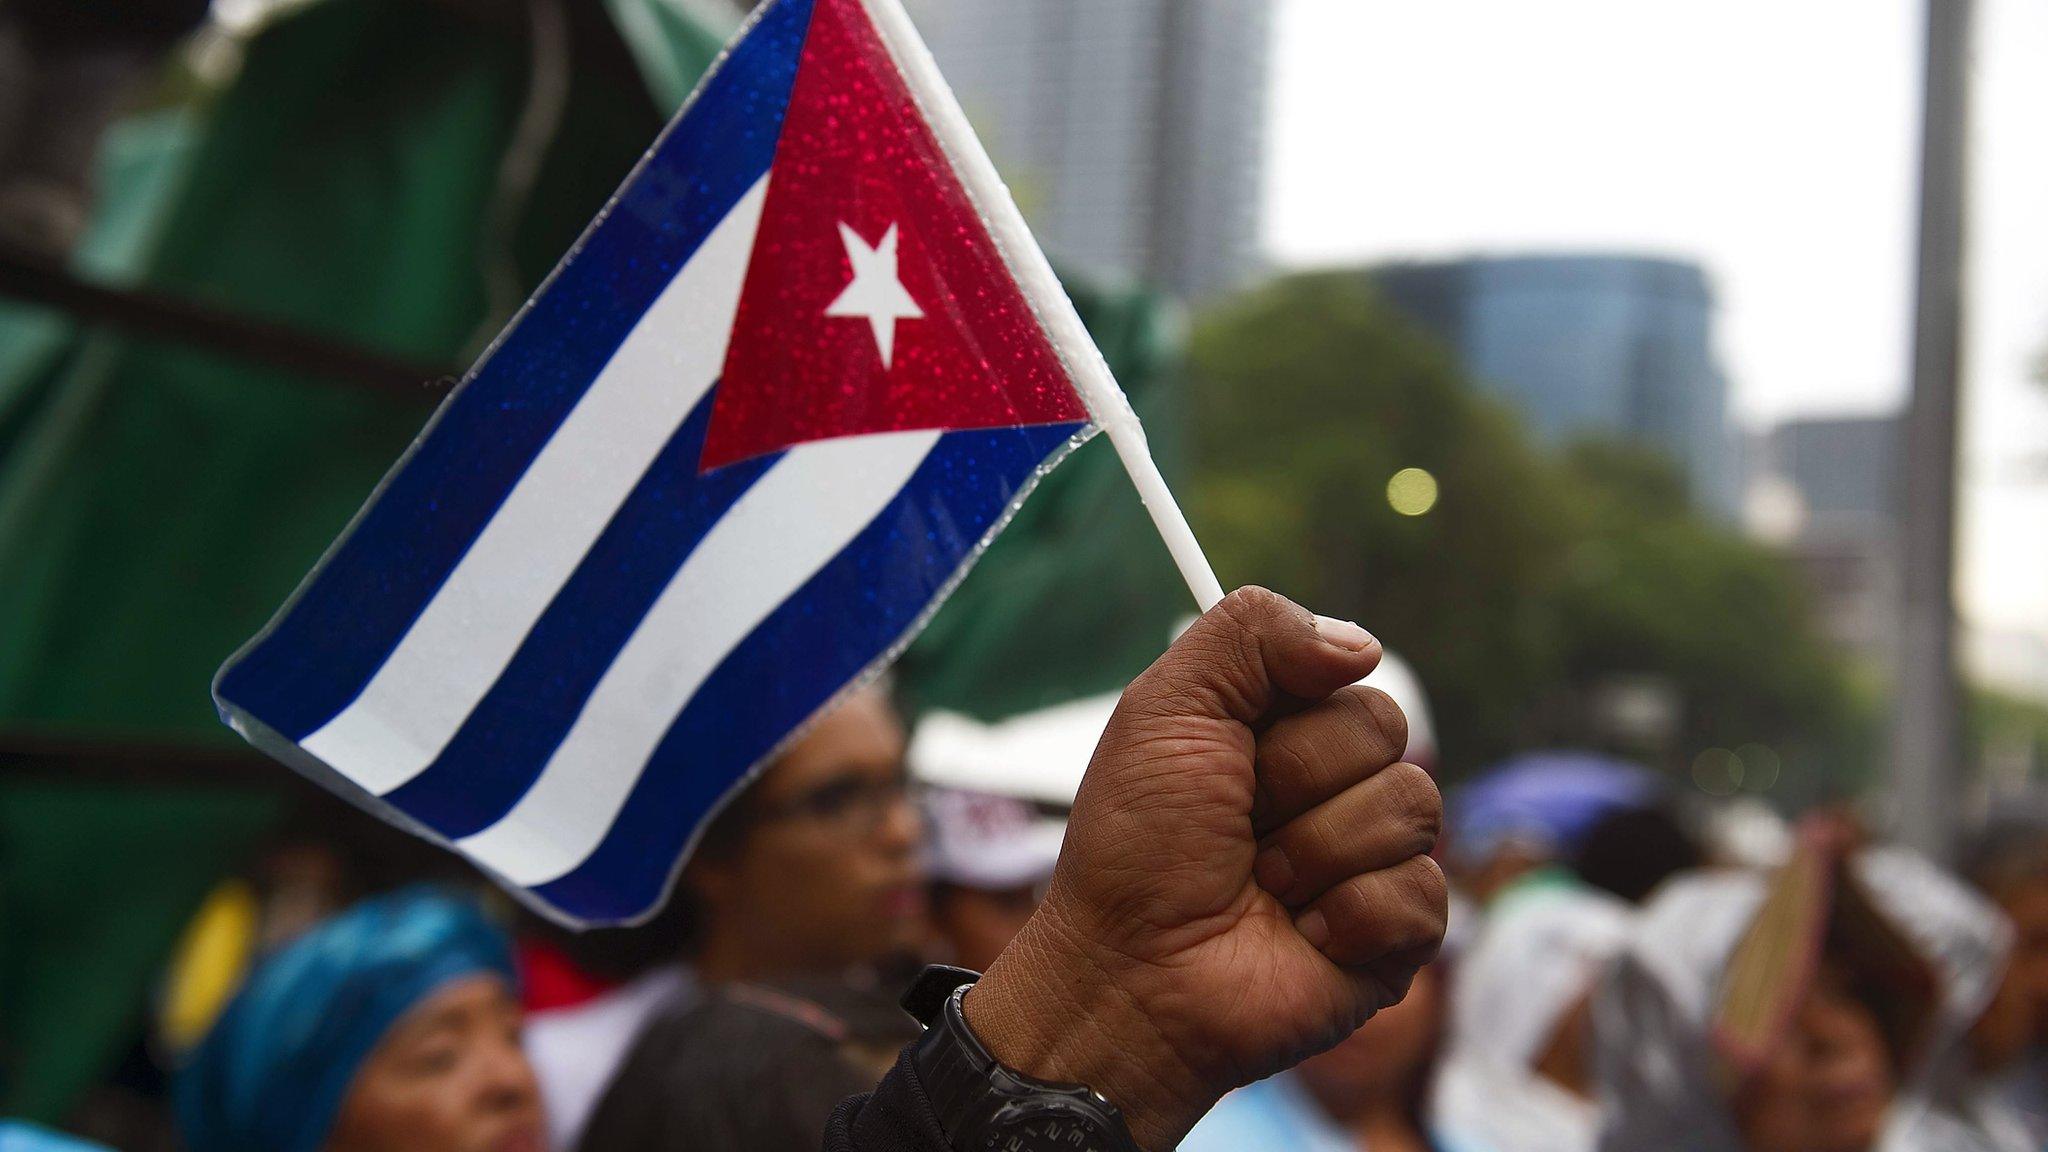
<point x="1039" y="756"/>
<point x="988" y="783"/>
<point x="979" y="840"/>
<point x="1397" y="679"/>
<point x="1747" y="831"/>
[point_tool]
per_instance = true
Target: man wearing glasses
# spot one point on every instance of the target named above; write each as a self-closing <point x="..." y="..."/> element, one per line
<point x="805" y="909"/>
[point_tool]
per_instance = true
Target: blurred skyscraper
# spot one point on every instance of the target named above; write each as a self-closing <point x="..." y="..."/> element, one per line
<point x="1841" y="466"/>
<point x="1131" y="131"/>
<point x="1828" y="490"/>
<point x="1618" y="346"/>
<point x="1841" y="525"/>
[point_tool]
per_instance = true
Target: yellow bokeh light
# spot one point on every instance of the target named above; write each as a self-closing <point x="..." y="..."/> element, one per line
<point x="1412" y="492"/>
<point x="1760" y="766"/>
<point x="1717" y="772"/>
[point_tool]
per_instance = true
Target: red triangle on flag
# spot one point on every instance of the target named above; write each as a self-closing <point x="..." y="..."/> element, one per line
<point x="876" y="301"/>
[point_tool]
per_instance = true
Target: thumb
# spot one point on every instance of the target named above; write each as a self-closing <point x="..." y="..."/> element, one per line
<point x="1252" y="658"/>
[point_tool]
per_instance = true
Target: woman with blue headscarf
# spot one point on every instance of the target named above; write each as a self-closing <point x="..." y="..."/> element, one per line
<point x="393" y="1026"/>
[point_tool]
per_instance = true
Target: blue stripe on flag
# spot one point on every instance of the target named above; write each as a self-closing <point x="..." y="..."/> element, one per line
<point x="845" y="617"/>
<point x="503" y="745"/>
<point x="323" y="649"/>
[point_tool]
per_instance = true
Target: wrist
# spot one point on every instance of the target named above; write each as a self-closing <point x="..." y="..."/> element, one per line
<point x="1047" y="1009"/>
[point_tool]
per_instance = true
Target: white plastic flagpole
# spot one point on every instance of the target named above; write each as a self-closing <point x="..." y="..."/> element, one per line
<point x="1106" y="403"/>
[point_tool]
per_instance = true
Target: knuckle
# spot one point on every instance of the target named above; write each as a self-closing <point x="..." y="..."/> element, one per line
<point x="1351" y="908"/>
<point x="1402" y="907"/>
<point x="1208" y="670"/>
<point x="1223" y="651"/>
<point x="1312" y="756"/>
<point x="1252" y="616"/>
<point x="1382" y="716"/>
<point x="1417" y="804"/>
<point x="1373" y="918"/>
<point x="1252" y="601"/>
<point x="1246" y="611"/>
<point x="1432" y="890"/>
<point x="1247" y="665"/>
<point x="1313" y="844"/>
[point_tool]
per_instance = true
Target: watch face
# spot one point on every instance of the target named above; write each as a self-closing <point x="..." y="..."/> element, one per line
<point x="1050" y="1127"/>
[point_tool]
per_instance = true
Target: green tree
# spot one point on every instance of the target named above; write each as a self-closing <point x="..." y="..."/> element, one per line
<point x="1535" y="578"/>
<point x="1655" y="589"/>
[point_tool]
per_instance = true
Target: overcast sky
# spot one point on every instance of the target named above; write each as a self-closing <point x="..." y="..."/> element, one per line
<point x="1775" y="141"/>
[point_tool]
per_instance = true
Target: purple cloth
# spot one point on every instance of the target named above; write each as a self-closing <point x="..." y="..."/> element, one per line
<point x="1548" y="798"/>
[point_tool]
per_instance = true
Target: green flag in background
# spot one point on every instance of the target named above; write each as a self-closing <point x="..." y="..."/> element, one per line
<point x="157" y="503"/>
<point x="1079" y="594"/>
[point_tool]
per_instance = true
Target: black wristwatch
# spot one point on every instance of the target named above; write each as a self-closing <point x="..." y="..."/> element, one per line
<point x="985" y="1107"/>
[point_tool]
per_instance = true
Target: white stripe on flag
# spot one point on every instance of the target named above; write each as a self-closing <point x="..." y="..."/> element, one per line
<point x="791" y="523"/>
<point x="470" y="630"/>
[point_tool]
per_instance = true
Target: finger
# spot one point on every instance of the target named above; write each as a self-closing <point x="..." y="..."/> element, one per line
<point x="1367" y="918"/>
<point x="1256" y="653"/>
<point x="1386" y="981"/>
<point x="1305" y="759"/>
<point x="1376" y="824"/>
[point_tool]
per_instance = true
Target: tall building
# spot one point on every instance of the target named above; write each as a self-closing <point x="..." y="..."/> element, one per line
<point x="1831" y="489"/>
<point x="1843" y="527"/>
<point x="1131" y="131"/>
<point x="1840" y="466"/>
<point x="1618" y="346"/>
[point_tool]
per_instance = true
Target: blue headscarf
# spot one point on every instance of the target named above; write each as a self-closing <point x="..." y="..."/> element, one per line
<point x="16" y="1136"/>
<point x="272" y="1073"/>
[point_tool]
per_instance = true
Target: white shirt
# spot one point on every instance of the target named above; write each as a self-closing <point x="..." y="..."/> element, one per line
<point x="576" y="1051"/>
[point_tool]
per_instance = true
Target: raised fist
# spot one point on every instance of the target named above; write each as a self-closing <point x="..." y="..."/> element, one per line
<point x="1245" y="878"/>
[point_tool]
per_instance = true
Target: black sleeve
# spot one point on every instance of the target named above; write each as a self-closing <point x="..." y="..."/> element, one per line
<point x="895" y="1117"/>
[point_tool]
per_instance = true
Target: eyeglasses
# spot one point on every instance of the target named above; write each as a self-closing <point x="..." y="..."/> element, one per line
<point x="854" y="805"/>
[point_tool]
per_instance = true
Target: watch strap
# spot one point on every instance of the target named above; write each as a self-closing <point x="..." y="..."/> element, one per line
<point x="955" y="1075"/>
<point x="926" y="996"/>
<point x="968" y="1088"/>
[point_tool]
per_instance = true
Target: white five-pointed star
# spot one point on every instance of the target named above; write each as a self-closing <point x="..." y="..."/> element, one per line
<point x="877" y="294"/>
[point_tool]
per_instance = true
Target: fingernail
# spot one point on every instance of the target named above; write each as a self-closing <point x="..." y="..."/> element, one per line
<point x="1275" y="872"/>
<point x="1343" y="633"/>
<point x="1313" y="928"/>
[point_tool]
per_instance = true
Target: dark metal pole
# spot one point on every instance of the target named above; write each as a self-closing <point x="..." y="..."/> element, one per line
<point x="155" y="315"/>
<point x="1927" y="765"/>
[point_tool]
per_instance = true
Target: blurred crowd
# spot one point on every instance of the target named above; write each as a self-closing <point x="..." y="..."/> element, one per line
<point x="1625" y="971"/>
<point x="1622" y="973"/>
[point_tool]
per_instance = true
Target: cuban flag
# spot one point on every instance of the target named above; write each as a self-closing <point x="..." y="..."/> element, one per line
<point x="722" y="466"/>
